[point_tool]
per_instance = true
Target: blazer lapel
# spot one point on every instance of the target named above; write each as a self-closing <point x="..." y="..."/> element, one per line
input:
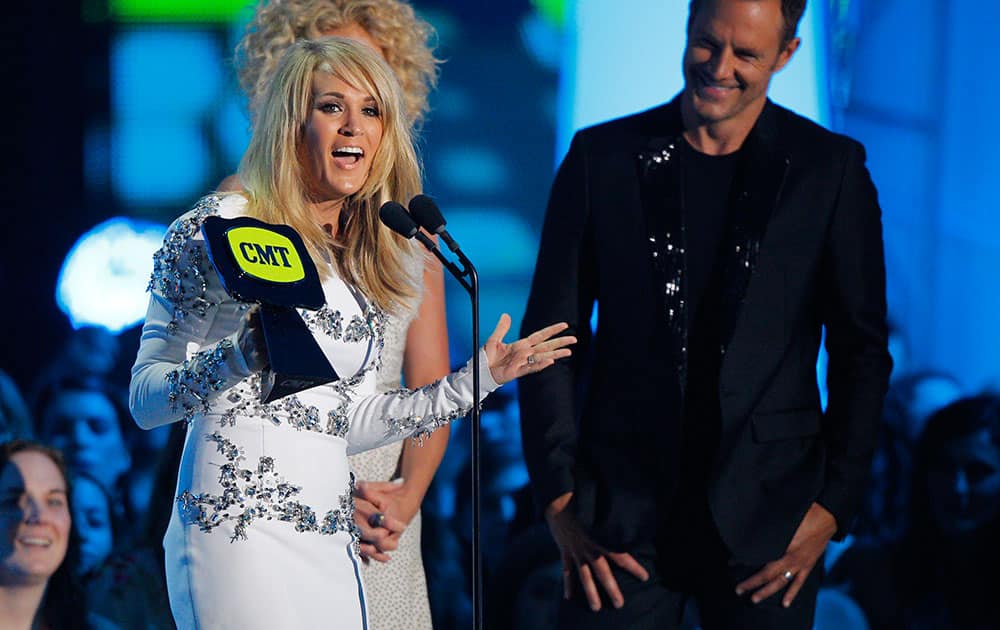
<point x="755" y="193"/>
<point x="660" y="190"/>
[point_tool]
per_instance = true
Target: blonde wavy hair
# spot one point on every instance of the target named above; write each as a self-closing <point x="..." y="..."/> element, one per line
<point x="403" y="37"/>
<point x="365" y="253"/>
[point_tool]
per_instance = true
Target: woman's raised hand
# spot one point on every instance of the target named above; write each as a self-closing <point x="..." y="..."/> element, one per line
<point x="532" y="354"/>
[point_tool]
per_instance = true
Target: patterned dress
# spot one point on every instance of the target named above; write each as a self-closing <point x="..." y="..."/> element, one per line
<point x="262" y="532"/>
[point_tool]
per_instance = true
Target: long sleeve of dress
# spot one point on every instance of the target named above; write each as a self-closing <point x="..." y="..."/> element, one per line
<point x="188" y="352"/>
<point x="189" y="363"/>
<point x="379" y="419"/>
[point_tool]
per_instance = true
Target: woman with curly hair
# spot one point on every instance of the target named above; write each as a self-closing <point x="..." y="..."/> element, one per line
<point x="262" y="534"/>
<point x="389" y="26"/>
<point x="396" y="477"/>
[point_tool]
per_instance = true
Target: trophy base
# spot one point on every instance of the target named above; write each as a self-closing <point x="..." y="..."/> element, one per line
<point x="274" y="386"/>
<point x="296" y="362"/>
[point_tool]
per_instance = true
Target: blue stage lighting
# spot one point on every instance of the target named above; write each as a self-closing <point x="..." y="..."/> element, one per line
<point x="104" y="277"/>
<point x="159" y="162"/>
<point x="472" y="169"/>
<point x="232" y="127"/>
<point x="168" y="71"/>
<point x="502" y="242"/>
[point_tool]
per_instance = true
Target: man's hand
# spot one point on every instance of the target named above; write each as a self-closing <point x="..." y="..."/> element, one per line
<point x="794" y="567"/>
<point x="578" y="551"/>
<point x="379" y="514"/>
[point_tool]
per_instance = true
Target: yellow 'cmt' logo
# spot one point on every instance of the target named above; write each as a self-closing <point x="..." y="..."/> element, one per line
<point x="265" y="254"/>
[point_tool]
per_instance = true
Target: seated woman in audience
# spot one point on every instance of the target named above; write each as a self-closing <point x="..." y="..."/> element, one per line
<point x="37" y="550"/>
<point x="954" y="544"/>
<point x="92" y="522"/>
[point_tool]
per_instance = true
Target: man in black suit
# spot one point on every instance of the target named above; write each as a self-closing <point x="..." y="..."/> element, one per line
<point x="682" y="451"/>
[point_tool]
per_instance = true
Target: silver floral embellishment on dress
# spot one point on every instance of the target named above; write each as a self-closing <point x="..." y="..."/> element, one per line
<point x="419" y="427"/>
<point x="289" y="410"/>
<point x="326" y="320"/>
<point x="337" y="421"/>
<point x="358" y="330"/>
<point x="330" y="322"/>
<point x="251" y="494"/>
<point x="179" y="266"/>
<point x="190" y="386"/>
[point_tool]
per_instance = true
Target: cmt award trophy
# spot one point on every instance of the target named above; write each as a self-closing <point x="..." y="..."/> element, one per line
<point x="269" y="265"/>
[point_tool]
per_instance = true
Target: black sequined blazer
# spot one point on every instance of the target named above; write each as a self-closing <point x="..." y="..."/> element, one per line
<point x="804" y="251"/>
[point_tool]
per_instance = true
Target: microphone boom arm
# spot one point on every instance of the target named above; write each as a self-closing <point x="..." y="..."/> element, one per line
<point x="460" y="274"/>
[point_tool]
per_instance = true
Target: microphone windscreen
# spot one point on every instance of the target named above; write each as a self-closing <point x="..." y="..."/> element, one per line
<point x="397" y="219"/>
<point x="427" y="214"/>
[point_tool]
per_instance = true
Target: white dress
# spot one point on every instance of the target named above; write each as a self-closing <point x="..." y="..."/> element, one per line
<point x="262" y="532"/>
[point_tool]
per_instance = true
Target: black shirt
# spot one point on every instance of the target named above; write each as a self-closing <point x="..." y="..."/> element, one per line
<point x="707" y="184"/>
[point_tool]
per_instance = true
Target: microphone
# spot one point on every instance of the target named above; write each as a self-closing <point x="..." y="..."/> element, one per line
<point x="427" y="214"/>
<point x="397" y="219"/>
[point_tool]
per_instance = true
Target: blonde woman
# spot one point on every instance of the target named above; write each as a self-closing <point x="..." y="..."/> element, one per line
<point x="262" y="533"/>
<point x="394" y="478"/>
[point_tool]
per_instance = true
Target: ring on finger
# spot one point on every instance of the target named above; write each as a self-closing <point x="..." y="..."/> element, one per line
<point x="531" y="359"/>
<point x="788" y="575"/>
<point x="377" y="519"/>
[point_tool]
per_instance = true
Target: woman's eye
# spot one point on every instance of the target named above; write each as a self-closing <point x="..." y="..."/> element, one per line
<point x="56" y="502"/>
<point x="371" y="111"/>
<point x="330" y="108"/>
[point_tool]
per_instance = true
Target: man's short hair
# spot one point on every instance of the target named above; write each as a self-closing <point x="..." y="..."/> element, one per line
<point x="791" y="11"/>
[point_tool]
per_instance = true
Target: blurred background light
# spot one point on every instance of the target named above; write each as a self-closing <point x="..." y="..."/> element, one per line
<point x="543" y="40"/>
<point x="159" y="162"/>
<point x="165" y="72"/>
<point x="104" y="277"/>
<point x="473" y="169"/>
<point x="553" y="11"/>
<point x="503" y="242"/>
<point x="232" y="127"/>
<point x="178" y="10"/>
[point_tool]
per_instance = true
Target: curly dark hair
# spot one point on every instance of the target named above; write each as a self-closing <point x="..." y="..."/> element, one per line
<point x="791" y="10"/>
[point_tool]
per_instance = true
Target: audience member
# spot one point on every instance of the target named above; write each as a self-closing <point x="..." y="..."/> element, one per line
<point x="954" y="541"/>
<point x="84" y="419"/>
<point x="38" y="554"/>
<point x="93" y="523"/>
<point x="15" y="420"/>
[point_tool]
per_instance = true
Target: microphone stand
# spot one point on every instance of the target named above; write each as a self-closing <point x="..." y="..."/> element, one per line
<point x="468" y="277"/>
